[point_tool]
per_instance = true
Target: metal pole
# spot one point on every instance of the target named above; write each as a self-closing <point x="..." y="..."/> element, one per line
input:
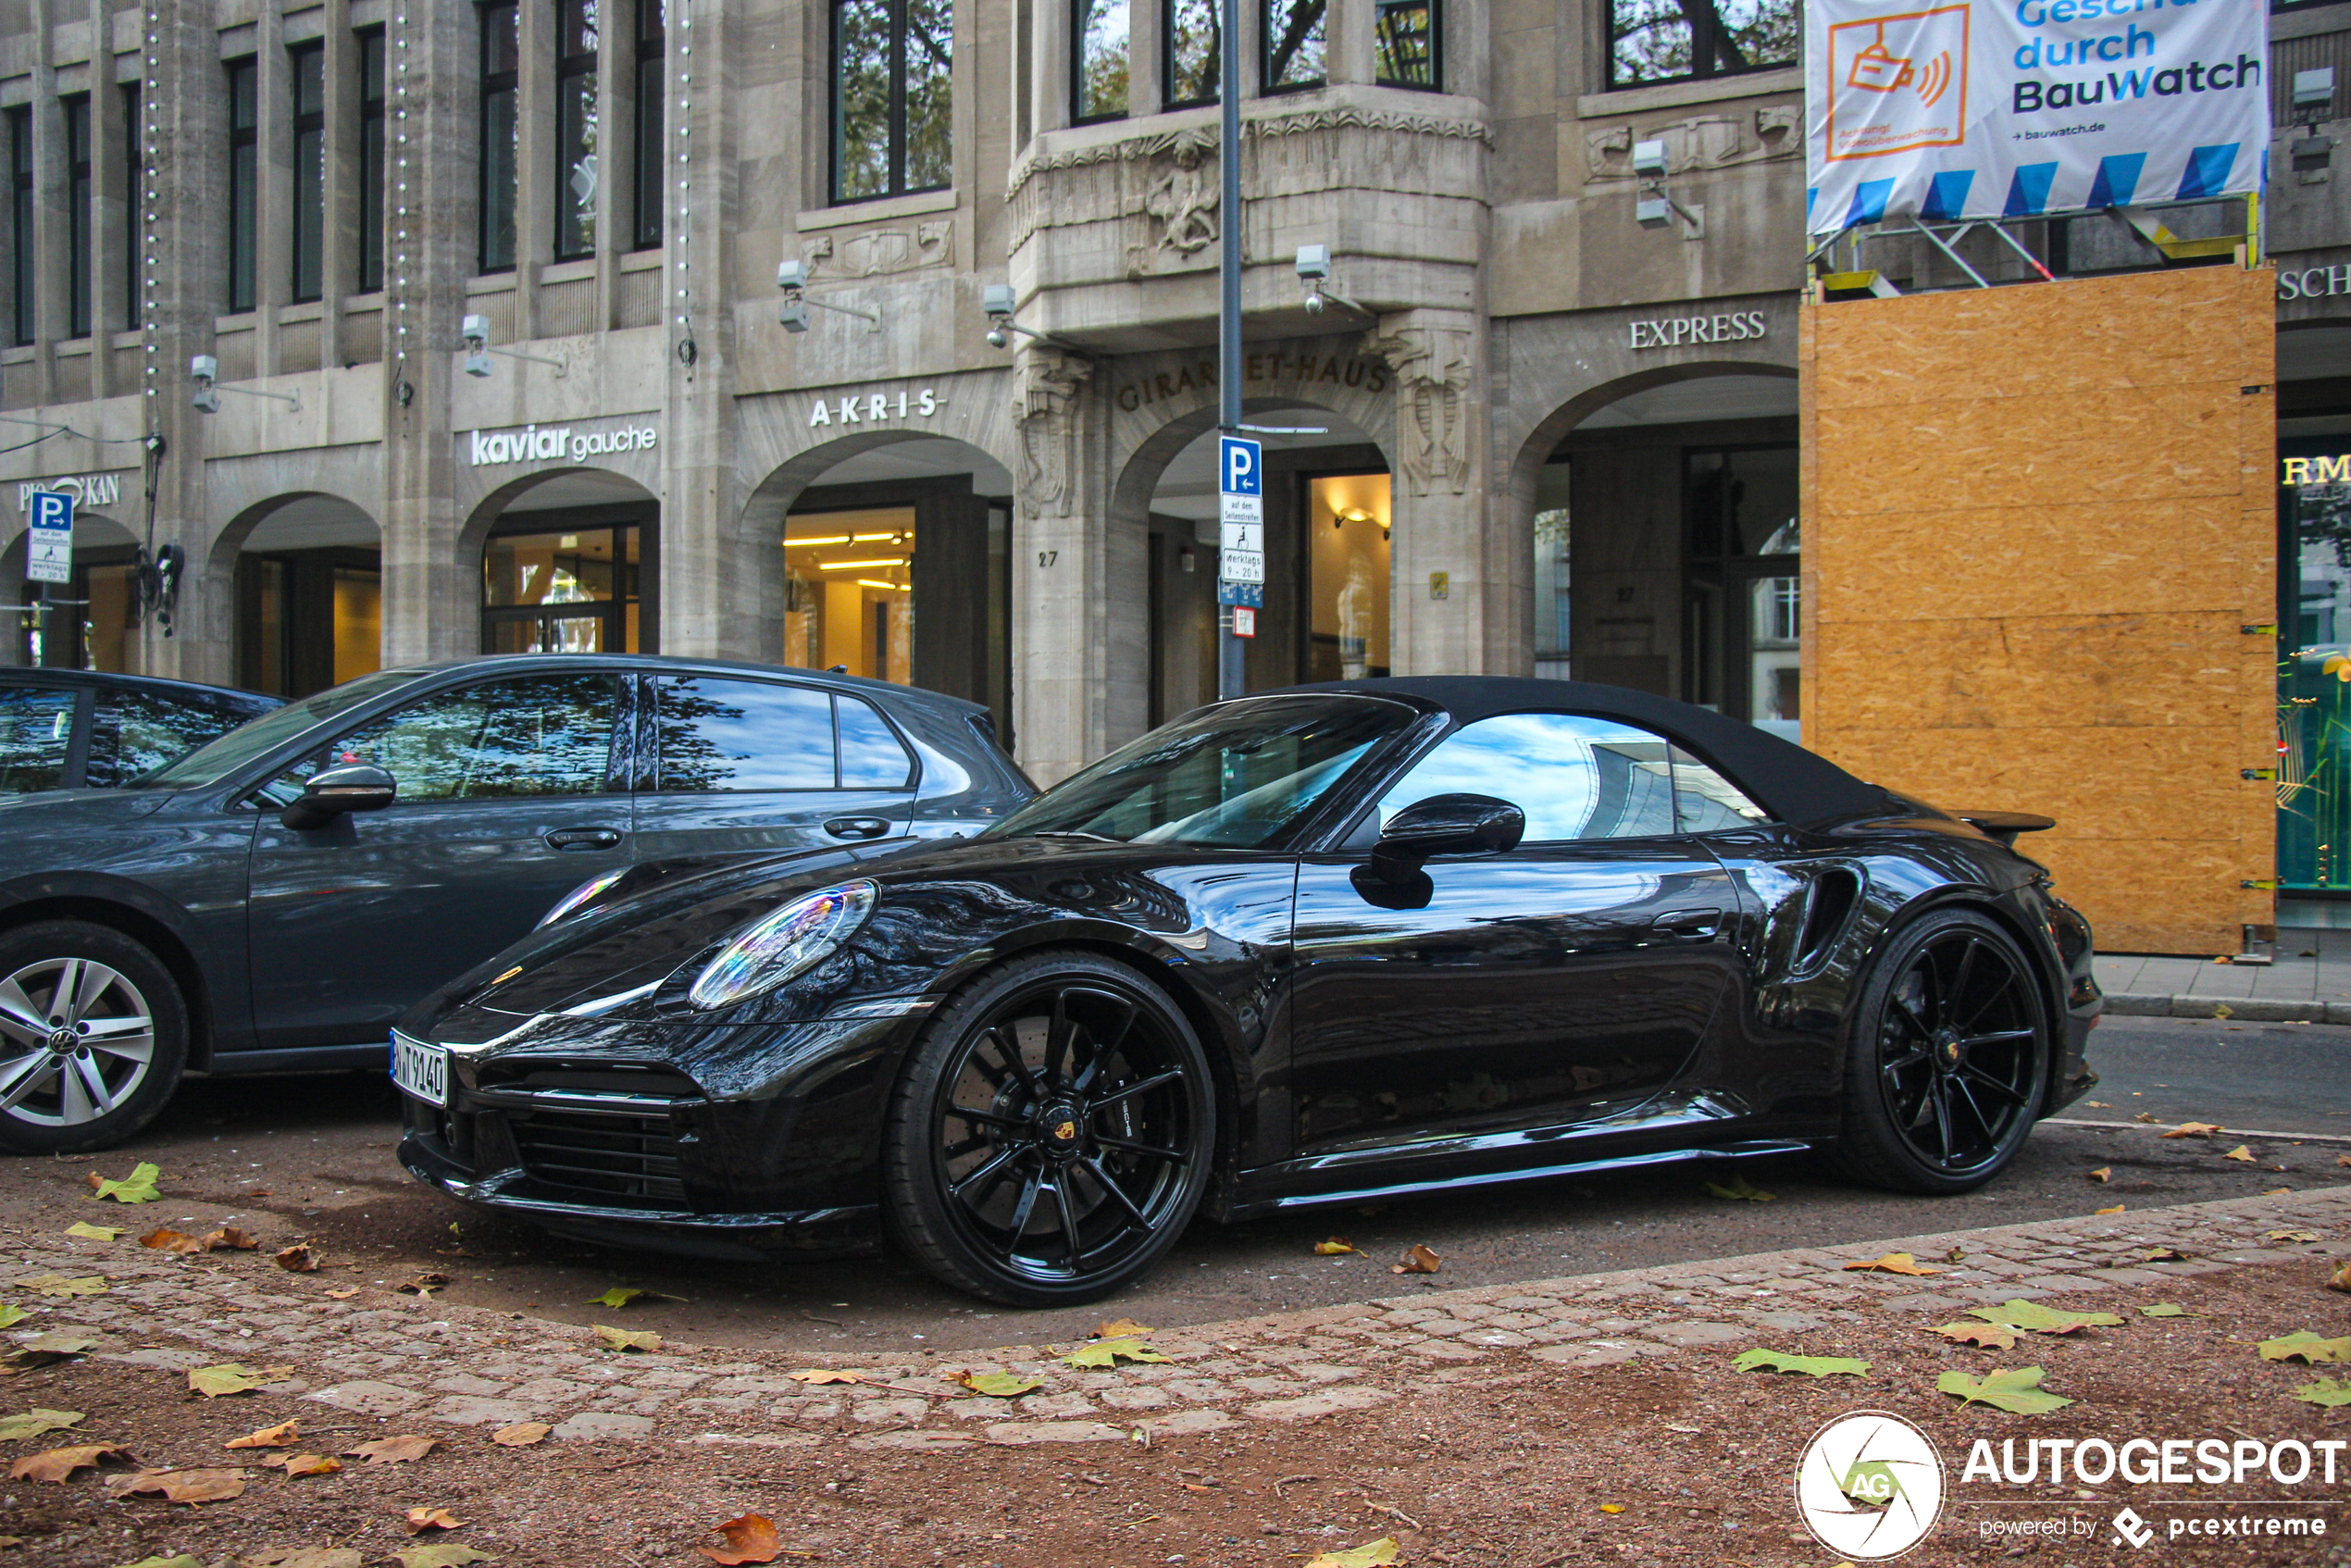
<point x="1231" y="674"/>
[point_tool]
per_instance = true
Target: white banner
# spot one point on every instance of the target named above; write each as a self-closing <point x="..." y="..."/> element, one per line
<point x="2011" y="108"/>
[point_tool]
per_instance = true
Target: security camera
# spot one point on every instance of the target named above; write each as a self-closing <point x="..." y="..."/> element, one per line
<point x="794" y="316"/>
<point x="997" y="301"/>
<point x="204" y="370"/>
<point x="1649" y="160"/>
<point x="997" y="337"/>
<point x="2314" y="89"/>
<point x="1313" y="263"/>
<point x="1652" y="212"/>
<point x="791" y="275"/>
<point x="474" y="330"/>
<point x="1315" y="303"/>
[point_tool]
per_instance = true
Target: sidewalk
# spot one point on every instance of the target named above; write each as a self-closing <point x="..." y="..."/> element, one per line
<point x="2310" y="983"/>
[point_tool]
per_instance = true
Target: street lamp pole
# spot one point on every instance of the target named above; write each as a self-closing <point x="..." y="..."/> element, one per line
<point x="1231" y="675"/>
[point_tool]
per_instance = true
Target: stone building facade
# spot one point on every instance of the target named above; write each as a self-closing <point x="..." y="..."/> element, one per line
<point x="1537" y="436"/>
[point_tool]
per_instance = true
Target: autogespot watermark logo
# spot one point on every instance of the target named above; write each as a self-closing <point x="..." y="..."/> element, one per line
<point x="1870" y="1486"/>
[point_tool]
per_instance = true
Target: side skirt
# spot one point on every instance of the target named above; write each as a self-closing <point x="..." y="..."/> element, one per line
<point x="1748" y="1149"/>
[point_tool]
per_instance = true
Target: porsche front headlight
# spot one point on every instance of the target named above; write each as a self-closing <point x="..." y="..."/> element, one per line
<point x="789" y="941"/>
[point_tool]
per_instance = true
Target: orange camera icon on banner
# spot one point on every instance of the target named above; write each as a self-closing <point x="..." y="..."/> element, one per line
<point x="1879" y="69"/>
<point x="1897" y="83"/>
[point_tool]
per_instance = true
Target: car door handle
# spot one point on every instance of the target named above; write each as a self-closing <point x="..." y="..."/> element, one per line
<point x="580" y="838"/>
<point x="857" y="826"/>
<point x="1689" y="925"/>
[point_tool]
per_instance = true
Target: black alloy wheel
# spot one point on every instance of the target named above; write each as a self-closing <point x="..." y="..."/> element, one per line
<point x="1052" y="1133"/>
<point x="1949" y="1058"/>
<point x="93" y="1037"/>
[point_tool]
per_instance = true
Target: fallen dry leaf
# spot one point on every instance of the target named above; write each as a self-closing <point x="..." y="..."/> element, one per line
<point x="89" y="1232"/>
<point x="278" y="1437"/>
<point x="440" y="1554"/>
<point x="1760" y="1360"/>
<point x="1893" y="1262"/>
<point x="1989" y="1336"/>
<point x="2034" y="1319"/>
<point x="2343" y="1159"/>
<point x="176" y="1560"/>
<point x="2017" y="1391"/>
<point x="2143" y="1116"/>
<point x="1612" y="1508"/>
<point x="2110" y="1209"/>
<point x="2242" y="1153"/>
<point x="2193" y="1129"/>
<point x="305" y="1557"/>
<point x="1371" y="1554"/>
<point x="57" y="1464"/>
<point x="139" y="1187"/>
<point x="1334" y="1247"/>
<point x="1739" y="1189"/>
<point x="394" y="1450"/>
<point x="312" y="1464"/>
<point x="230" y="1378"/>
<point x="2294" y="1235"/>
<point x="424" y="1284"/>
<point x="2163" y="1255"/>
<point x="166" y="1240"/>
<point x="1120" y="1329"/>
<point x="998" y="1384"/>
<point x="751" y="1538"/>
<point x="44" y="1349"/>
<point x="2303" y="1346"/>
<point x="1109" y="1352"/>
<point x="815" y="1375"/>
<point x="1417" y="1260"/>
<point x="230" y="1237"/>
<point x="15" y="1428"/>
<point x="2275" y="1192"/>
<point x="297" y="1259"/>
<point x="2104" y="1173"/>
<point x="2340" y="1279"/>
<point x="182" y="1486"/>
<point x="419" y="1520"/>
<point x="345" y="1294"/>
<point x="622" y="1339"/>
<point x="521" y="1434"/>
<point x="58" y="1284"/>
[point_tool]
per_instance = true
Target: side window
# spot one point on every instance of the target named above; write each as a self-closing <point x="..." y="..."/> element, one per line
<point x="871" y="757"/>
<point x="1574" y="776"/>
<point x="536" y="736"/>
<point x="732" y="735"/>
<point x="36" y="728"/>
<point x="1704" y="802"/>
<point x="136" y="732"/>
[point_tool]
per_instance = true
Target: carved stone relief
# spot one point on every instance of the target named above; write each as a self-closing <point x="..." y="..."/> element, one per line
<point x="1434" y="370"/>
<point x="880" y="251"/>
<point x="1702" y="142"/>
<point x="1179" y="204"/>
<point x="1046" y="382"/>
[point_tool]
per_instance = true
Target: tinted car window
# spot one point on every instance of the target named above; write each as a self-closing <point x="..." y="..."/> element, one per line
<point x="871" y="757"/>
<point x="133" y="733"/>
<point x="36" y="726"/>
<point x="733" y="735"/>
<point x="1704" y="802"/>
<point x="1574" y="776"/>
<point x="249" y="743"/>
<point x="537" y="735"/>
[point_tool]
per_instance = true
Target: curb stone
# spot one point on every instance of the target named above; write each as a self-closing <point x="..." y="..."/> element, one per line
<point x="2252" y="1009"/>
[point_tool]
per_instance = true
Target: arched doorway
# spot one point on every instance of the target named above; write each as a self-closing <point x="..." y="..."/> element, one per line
<point x="568" y="560"/>
<point x="90" y="623"/>
<point x="891" y="558"/>
<point x="1329" y="522"/>
<point x="1666" y="543"/>
<point x="308" y="586"/>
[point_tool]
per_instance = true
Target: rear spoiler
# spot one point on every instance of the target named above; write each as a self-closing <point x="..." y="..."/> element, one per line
<point x="2005" y="825"/>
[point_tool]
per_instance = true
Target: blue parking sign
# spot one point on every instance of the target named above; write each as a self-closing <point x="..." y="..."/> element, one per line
<point x="49" y="545"/>
<point x="1240" y="464"/>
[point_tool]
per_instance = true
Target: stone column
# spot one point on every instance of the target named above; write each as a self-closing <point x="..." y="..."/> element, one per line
<point x="432" y="591"/>
<point x="1061" y="567"/>
<point x="1440" y="498"/>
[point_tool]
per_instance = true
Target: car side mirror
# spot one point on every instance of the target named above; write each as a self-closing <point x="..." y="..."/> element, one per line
<point x="1445" y="826"/>
<point x="335" y="791"/>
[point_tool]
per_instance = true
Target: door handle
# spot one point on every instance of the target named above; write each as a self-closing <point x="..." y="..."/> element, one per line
<point x="580" y="838"/>
<point x="1689" y="925"/>
<point x="857" y="826"/>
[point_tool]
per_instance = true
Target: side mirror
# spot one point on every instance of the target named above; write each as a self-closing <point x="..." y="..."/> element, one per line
<point x="335" y="791"/>
<point x="1447" y="824"/>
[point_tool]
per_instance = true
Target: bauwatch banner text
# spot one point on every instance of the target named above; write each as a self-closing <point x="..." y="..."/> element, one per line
<point x="2013" y="108"/>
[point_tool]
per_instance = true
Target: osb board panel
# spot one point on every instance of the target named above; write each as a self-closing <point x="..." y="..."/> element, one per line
<point x="2035" y="519"/>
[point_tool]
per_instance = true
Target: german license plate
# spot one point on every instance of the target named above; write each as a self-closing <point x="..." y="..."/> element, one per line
<point x="420" y="1069"/>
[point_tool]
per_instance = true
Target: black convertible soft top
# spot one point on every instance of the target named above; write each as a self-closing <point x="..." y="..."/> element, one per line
<point x="1791" y="783"/>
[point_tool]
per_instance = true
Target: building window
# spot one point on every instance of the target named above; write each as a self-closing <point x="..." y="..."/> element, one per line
<point x="501" y="56"/>
<point x="1098" y="59"/>
<point x="1653" y="41"/>
<point x="571" y="590"/>
<point x="244" y="182"/>
<point x="20" y="221"/>
<point x="1293" y="34"/>
<point x="1190" y="50"/>
<point x="575" y="129"/>
<point x="652" y="36"/>
<point x="1404" y="44"/>
<point x="134" y="153"/>
<point x="892" y="96"/>
<point x="309" y="71"/>
<point x="371" y="161"/>
<point x="78" y="279"/>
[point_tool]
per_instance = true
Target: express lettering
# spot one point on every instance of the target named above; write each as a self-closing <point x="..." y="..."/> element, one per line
<point x="1738" y="326"/>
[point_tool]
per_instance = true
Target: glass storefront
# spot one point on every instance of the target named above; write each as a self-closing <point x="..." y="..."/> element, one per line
<point x="1552" y="579"/>
<point x="849" y="593"/>
<point x="308" y="620"/>
<point x="562" y="591"/>
<point x="1744" y="609"/>
<point x="2314" y="669"/>
<point x="1347" y="575"/>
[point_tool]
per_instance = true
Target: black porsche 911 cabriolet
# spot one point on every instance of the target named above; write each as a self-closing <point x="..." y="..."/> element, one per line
<point x="1321" y="945"/>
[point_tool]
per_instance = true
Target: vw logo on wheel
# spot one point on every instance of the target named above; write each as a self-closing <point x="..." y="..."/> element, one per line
<point x="1870" y="1486"/>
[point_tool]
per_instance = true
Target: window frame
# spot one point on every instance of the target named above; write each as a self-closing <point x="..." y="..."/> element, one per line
<point x="74" y="111"/>
<point x="1266" y="86"/>
<point x="374" y="104"/>
<point x="569" y="68"/>
<point x="1169" y="99"/>
<point x="244" y="185"/>
<point x="22" y="222"/>
<point x="497" y="217"/>
<point x="309" y="199"/>
<point x="130" y="96"/>
<point x="1705" y="37"/>
<point x="613" y="612"/>
<point x="897" y="183"/>
<point x="280" y="784"/>
<point x="1436" y="8"/>
<point x="1080" y="15"/>
<point x="652" y="131"/>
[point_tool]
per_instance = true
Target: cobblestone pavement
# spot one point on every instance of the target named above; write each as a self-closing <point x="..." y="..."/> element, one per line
<point x="385" y="1355"/>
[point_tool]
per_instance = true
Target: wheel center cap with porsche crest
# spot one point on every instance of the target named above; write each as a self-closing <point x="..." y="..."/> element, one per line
<point x="1057" y="1125"/>
<point x="1947" y="1049"/>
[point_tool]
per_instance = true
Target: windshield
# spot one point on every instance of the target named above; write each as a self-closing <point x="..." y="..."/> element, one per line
<point x="1233" y="776"/>
<point x="213" y="762"/>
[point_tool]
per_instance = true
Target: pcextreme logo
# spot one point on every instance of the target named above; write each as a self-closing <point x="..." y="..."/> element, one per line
<point x="1870" y="1486"/>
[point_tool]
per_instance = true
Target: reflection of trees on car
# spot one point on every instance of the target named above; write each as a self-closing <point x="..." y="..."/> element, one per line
<point x="550" y="735"/>
<point x="690" y="760"/>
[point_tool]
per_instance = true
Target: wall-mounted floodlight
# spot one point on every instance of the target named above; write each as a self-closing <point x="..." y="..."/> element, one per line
<point x="1314" y="270"/>
<point x="792" y="278"/>
<point x="474" y="330"/>
<point x="2314" y="89"/>
<point x="1654" y="206"/>
<point x="205" y="371"/>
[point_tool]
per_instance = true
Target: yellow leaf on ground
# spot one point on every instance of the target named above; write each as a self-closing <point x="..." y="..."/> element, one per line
<point x="305" y="1557"/>
<point x="1738" y="1188"/>
<point x="1109" y="1352"/>
<point x="818" y="1375"/>
<point x="58" y="1463"/>
<point x="521" y="1434"/>
<point x="1988" y="1336"/>
<point x="313" y="1465"/>
<point x="622" y="1339"/>
<point x="297" y="1259"/>
<point x="2303" y="1346"/>
<point x="419" y="1520"/>
<point x="15" y="1428"/>
<point x="2111" y="1208"/>
<point x="2294" y="1235"/>
<point x="2341" y="1280"/>
<point x="1893" y="1262"/>
<point x="278" y="1437"/>
<point x="182" y="1486"/>
<point x="1334" y="1247"/>
<point x="440" y="1554"/>
<point x="394" y="1450"/>
<point x="1120" y="1329"/>
<point x="58" y="1284"/>
<point x="998" y="1384"/>
<point x="1371" y="1554"/>
<point x="2242" y="1152"/>
<point x="89" y="1232"/>
<point x="1612" y="1508"/>
<point x="2194" y="1129"/>
<point x="2104" y="1173"/>
<point x="139" y="1187"/>
<point x="1417" y="1260"/>
<point x="230" y="1378"/>
<point x="751" y="1538"/>
<point x="2275" y="1192"/>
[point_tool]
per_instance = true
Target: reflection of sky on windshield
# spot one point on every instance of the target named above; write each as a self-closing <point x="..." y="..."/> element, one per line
<point x="1549" y="767"/>
<point x="1271" y="802"/>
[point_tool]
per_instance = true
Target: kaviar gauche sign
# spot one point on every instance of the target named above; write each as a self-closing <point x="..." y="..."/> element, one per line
<point x="2012" y="108"/>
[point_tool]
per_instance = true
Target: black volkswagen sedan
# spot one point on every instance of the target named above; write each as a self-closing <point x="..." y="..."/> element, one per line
<point x="1326" y="945"/>
<point x="275" y="899"/>
<point x="88" y="729"/>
